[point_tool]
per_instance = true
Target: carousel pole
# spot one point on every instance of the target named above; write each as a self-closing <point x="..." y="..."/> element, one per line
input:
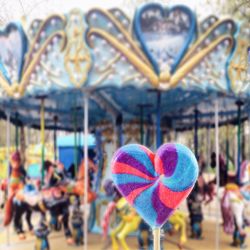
<point x="227" y="151"/>
<point x="8" y="168"/>
<point x="42" y="134"/>
<point x="248" y="134"/>
<point x="86" y="119"/>
<point x="217" y="149"/>
<point x="239" y="104"/>
<point x="208" y="160"/>
<point x="119" y="120"/>
<point x="55" y="138"/>
<point x="208" y="146"/>
<point x="75" y="142"/>
<point x="17" y="132"/>
<point x="174" y="127"/>
<point x="158" y="131"/>
<point x="158" y="121"/>
<point x="196" y="127"/>
<point x="98" y="138"/>
<point x="142" y="107"/>
<point x="149" y="128"/>
<point x="141" y="122"/>
<point x="235" y="149"/>
<point x="28" y="142"/>
<point x="243" y="144"/>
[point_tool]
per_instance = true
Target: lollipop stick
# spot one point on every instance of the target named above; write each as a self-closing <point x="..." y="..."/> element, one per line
<point x="157" y="238"/>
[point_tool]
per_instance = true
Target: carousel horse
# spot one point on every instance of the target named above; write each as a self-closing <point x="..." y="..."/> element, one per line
<point x="178" y="222"/>
<point x="126" y="221"/>
<point x="16" y="182"/>
<point x="233" y="207"/>
<point x="55" y="199"/>
<point x="129" y="222"/>
<point x="77" y="187"/>
<point x="110" y="215"/>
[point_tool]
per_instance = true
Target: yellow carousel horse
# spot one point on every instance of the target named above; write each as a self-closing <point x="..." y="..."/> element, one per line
<point x="129" y="222"/>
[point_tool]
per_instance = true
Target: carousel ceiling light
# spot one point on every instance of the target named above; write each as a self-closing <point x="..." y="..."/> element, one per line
<point x="130" y="67"/>
<point x="43" y="57"/>
<point x="36" y="46"/>
<point x="128" y="45"/>
<point x="55" y="40"/>
<point x="35" y="24"/>
<point x="30" y="88"/>
<point x="213" y="19"/>
<point x="111" y="76"/>
<point x="120" y="36"/>
<point x="42" y="34"/>
<point x="123" y="59"/>
<point x="205" y="26"/>
<point x="112" y="50"/>
<point x="226" y="43"/>
<point x="125" y="22"/>
<point x="217" y="32"/>
<point x="207" y="41"/>
<point x="229" y="26"/>
<point x="49" y="47"/>
<point x="45" y="74"/>
<point x="32" y="76"/>
<point x="94" y="16"/>
<point x="37" y="68"/>
<point x="110" y="25"/>
<point x="104" y="42"/>
<point x="53" y="22"/>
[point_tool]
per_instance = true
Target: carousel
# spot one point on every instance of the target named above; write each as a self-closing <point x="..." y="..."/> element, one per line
<point x="143" y="79"/>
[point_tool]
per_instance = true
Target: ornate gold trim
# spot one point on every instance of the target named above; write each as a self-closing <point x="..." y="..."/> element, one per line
<point x="126" y="34"/>
<point x="201" y="39"/>
<point x="32" y="46"/>
<point x="136" y="61"/>
<point x="5" y="85"/>
<point x="127" y="79"/>
<point x="109" y="64"/>
<point x="103" y="77"/>
<point x="77" y="54"/>
<point x="35" y="60"/>
<point x="238" y="64"/>
<point x="195" y="60"/>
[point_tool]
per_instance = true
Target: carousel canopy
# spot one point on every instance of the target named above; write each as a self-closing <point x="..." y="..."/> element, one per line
<point x="122" y="64"/>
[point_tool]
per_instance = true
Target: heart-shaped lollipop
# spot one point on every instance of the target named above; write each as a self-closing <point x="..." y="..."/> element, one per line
<point x="154" y="184"/>
<point x="164" y="34"/>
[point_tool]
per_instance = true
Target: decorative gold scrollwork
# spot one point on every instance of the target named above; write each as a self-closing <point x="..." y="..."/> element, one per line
<point x="77" y="58"/>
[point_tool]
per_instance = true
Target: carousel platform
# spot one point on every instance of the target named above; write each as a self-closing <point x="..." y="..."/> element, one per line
<point x="57" y="241"/>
